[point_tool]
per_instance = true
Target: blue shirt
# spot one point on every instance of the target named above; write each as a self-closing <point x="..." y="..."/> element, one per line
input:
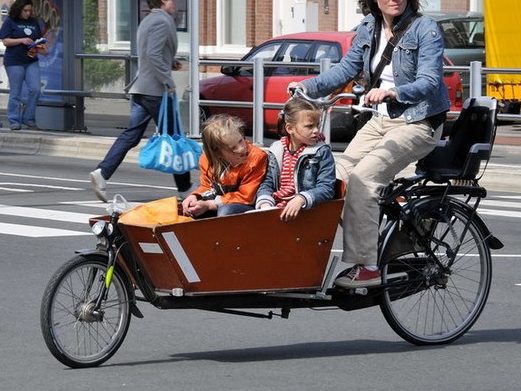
<point x="19" y="28"/>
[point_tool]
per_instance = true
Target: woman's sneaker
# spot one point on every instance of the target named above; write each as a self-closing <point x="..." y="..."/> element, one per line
<point x="358" y="277"/>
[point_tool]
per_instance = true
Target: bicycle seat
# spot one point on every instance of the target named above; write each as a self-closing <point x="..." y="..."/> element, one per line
<point x="469" y="143"/>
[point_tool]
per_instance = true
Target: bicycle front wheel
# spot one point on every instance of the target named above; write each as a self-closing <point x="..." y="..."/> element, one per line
<point x="75" y="331"/>
<point x="428" y="304"/>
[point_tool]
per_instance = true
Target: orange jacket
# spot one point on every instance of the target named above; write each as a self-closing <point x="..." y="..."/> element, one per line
<point x="245" y="178"/>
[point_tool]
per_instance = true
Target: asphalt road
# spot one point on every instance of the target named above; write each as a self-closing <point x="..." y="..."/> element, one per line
<point x="197" y="350"/>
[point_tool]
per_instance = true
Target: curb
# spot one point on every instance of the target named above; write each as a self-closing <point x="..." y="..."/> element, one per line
<point x="56" y="144"/>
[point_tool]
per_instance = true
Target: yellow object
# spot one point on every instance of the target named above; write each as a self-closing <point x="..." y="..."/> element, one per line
<point x="108" y="277"/>
<point x="159" y="212"/>
<point x="503" y="47"/>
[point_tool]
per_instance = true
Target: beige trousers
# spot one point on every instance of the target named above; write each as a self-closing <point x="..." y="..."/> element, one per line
<point x="380" y="150"/>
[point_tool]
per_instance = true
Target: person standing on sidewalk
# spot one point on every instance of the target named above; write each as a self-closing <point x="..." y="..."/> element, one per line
<point x="156" y="50"/>
<point x="19" y="33"/>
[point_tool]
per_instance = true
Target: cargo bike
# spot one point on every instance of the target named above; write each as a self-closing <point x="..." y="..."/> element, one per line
<point x="434" y="256"/>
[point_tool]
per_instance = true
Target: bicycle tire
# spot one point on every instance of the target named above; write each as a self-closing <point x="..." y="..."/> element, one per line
<point x="72" y="333"/>
<point x="429" y="307"/>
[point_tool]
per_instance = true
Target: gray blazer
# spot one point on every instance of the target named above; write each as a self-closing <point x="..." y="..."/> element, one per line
<point x="156" y="50"/>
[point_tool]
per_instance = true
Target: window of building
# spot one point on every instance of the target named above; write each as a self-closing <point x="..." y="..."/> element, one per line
<point x="119" y="24"/>
<point x="231" y="18"/>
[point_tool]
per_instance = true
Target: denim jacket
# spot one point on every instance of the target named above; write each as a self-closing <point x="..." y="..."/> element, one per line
<point x="314" y="174"/>
<point x="417" y="64"/>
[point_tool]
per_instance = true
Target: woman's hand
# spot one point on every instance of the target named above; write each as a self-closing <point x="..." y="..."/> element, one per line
<point x="26" y="41"/>
<point x="293" y="85"/>
<point x="378" y="95"/>
<point x="292" y="208"/>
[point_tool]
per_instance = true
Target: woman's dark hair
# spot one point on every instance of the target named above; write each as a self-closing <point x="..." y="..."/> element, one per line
<point x="372" y="5"/>
<point x="16" y="8"/>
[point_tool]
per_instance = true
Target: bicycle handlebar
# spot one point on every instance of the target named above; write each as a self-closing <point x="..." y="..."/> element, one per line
<point x="326" y="102"/>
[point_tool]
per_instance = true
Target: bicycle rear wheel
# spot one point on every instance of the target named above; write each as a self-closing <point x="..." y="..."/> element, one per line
<point x="434" y="306"/>
<point x="75" y="332"/>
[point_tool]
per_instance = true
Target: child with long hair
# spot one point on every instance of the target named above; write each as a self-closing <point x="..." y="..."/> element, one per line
<point x="301" y="169"/>
<point x="232" y="170"/>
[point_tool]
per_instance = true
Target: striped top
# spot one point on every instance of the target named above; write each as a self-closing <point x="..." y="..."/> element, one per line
<point x="287" y="183"/>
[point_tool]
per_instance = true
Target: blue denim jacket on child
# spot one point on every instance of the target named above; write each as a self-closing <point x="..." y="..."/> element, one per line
<point x="314" y="174"/>
<point x="417" y="65"/>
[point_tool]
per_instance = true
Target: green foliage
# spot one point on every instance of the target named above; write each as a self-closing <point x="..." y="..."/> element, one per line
<point x="97" y="72"/>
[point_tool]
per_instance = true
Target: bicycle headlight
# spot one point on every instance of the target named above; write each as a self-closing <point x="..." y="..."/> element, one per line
<point x="102" y="228"/>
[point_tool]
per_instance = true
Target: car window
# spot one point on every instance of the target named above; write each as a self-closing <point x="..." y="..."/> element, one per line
<point x="326" y="50"/>
<point x="293" y="52"/>
<point x="267" y="52"/>
<point x="463" y="33"/>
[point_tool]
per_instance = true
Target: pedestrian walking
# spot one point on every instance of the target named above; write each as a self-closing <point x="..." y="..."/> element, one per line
<point x="156" y="50"/>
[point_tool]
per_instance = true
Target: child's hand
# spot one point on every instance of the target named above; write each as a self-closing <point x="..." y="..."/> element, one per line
<point x="292" y="208"/>
<point x="188" y="204"/>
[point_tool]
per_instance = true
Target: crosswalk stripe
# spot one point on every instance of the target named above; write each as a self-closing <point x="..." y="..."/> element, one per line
<point x="16" y="190"/>
<point x="501" y="204"/>
<point x="41" y="186"/>
<point x="86" y="181"/>
<point x="46" y="214"/>
<point x="502" y="213"/>
<point x="37" y="232"/>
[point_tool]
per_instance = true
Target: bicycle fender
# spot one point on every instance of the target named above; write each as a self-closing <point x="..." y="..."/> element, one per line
<point x="493" y="242"/>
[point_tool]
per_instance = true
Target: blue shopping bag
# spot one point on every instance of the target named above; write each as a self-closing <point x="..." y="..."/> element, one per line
<point x="174" y="154"/>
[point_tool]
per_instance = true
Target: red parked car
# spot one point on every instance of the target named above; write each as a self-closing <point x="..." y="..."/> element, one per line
<point x="236" y="83"/>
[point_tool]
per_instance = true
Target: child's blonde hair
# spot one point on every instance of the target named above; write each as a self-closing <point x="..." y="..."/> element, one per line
<point x="216" y="133"/>
<point x="292" y="108"/>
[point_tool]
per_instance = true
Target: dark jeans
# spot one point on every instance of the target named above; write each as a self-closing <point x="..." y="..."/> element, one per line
<point x="143" y="108"/>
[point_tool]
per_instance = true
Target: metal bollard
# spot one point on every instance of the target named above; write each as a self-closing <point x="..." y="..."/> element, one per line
<point x="475" y="79"/>
<point x="258" y="101"/>
<point x="325" y="64"/>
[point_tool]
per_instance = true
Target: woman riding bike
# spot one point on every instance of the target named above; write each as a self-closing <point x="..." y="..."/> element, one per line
<point x="408" y="128"/>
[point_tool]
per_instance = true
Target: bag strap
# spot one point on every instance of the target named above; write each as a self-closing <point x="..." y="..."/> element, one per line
<point x="388" y="52"/>
<point x="162" y="122"/>
<point x="176" y="116"/>
<point x="178" y="125"/>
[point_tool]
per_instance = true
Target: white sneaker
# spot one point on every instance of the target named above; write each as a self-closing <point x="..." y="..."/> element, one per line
<point x="99" y="184"/>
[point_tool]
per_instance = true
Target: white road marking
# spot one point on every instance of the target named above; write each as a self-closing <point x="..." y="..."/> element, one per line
<point x="502" y="213"/>
<point x="37" y="232"/>
<point x="518" y="284"/>
<point x="45" y="214"/>
<point x="86" y="181"/>
<point x="16" y="190"/>
<point x="510" y="197"/>
<point x="96" y="204"/>
<point x="44" y="186"/>
<point x="500" y="204"/>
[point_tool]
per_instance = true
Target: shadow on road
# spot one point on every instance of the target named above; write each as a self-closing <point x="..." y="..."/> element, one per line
<point x="329" y="349"/>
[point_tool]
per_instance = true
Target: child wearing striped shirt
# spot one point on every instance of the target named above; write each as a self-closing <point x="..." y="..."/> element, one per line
<point x="301" y="167"/>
